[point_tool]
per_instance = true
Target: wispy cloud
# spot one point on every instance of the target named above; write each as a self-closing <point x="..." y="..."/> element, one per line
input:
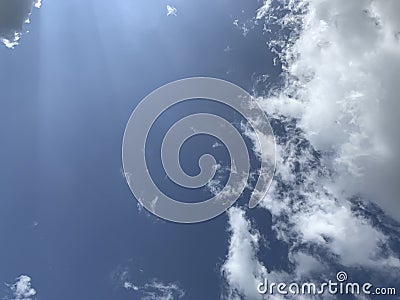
<point x="153" y="289"/>
<point x="158" y="290"/>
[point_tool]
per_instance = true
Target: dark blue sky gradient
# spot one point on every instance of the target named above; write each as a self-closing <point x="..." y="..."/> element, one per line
<point x="68" y="91"/>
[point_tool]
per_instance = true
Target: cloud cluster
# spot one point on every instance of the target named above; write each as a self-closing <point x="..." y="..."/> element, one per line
<point x="22" y="289"/>
<point x="13" y="15"/>
<point x="342" y="87"/>
<point x="335" y="116"/>
<point x="342" y="95"/>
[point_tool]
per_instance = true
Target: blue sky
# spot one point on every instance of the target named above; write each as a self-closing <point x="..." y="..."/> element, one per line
<point x="68" y="219"/>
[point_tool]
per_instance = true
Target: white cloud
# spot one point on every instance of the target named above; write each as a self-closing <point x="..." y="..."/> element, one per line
<point x="22" y="289"/>
<point x="13" y="15"/>
<point x="353" y="239"/>
<point x="262" y="143"/>
<point x="171" y="11"/>
<point x="263" y="10"/>
<point x="343" y="72"/>
<point x="242" y="270"/>
<point x="316" y="213"/>
<point x="338" y="111"/>
<point x="341" y="92"/>
<point x="130" y="286"/>
<point x="38" y="3"/>
<point x="306" y="264"/>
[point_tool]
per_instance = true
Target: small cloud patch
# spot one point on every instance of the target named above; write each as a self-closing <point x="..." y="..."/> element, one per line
<point x="171" y="11"/>
<point x="22" y="289"/>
